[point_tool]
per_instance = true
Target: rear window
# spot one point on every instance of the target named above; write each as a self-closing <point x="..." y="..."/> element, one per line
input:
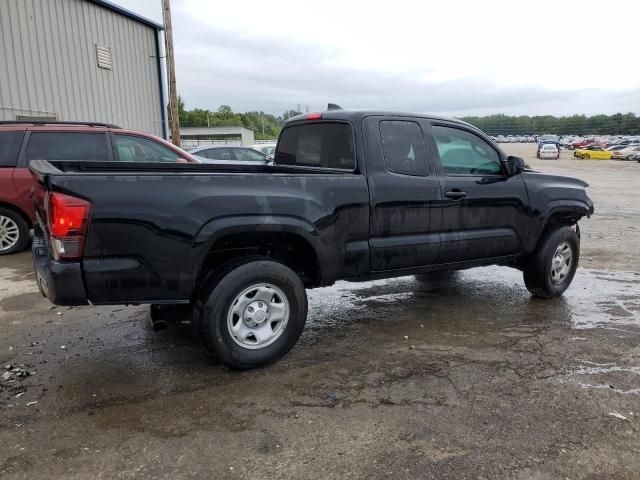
<point x="91" y="147"/>
<point x="548" y="147"/>
<point x="9" y="148"/>
<point x="324" y="145"/>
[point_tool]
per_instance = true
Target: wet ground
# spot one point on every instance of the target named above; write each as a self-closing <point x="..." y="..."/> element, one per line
<point x="466" y="377"/>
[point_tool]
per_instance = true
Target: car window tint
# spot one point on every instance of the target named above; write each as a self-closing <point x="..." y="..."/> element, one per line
<point x="403" y="147"/>
<point x="131" y="148"/>
<point x="463" y="153"/>
<point x="9" y="148"/>
<point x="218" y="154"/>
<point x="248" y="155"/>
<point x="91" y="147"/>
<point x="324" y="145"/>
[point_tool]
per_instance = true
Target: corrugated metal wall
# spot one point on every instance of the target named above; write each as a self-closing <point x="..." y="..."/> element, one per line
<point x="49" y="66"/>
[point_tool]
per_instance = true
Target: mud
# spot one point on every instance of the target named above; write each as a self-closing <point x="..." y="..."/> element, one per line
<point x="489" y="383"/>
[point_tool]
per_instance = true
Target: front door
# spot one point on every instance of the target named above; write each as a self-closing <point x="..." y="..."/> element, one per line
<point x="484" y="209"/>
<point x="404" y="195"/>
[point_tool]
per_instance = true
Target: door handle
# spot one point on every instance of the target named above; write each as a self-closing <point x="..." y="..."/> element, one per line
<point x="455" y="194"/>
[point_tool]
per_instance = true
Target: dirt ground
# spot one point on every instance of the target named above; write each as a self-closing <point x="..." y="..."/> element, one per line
<point x="489" y="383"/>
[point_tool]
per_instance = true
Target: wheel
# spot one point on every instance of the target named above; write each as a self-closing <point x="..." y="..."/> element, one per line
<point x="254" y="314"/>
<point x="586" y="156"/>
<point x="551" y="268"/>
<point x="14" y="232"/>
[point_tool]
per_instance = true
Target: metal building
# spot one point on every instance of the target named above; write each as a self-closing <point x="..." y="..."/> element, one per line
<point x="81" y="60"/>
<point x="194" y="136"/>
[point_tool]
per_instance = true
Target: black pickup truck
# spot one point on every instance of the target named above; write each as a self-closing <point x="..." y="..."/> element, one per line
<point x="351" y="195"/>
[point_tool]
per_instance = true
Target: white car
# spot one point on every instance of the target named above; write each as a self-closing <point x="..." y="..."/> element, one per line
<point x="549" y="150"/>
<point x="266" y="148"/>
<point x="626" y="153"/>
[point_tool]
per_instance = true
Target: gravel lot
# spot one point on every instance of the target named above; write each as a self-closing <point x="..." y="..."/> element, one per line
<point x="489" y="383"/>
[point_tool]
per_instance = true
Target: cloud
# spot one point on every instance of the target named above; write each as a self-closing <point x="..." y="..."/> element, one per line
<point x="275" y="72"/>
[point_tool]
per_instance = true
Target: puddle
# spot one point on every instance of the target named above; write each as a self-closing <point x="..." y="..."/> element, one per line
<point x="604" y="376"/>
<point x="596" y="299"/>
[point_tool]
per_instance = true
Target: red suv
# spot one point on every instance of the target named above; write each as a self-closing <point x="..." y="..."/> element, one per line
<point x="22" y="142"/>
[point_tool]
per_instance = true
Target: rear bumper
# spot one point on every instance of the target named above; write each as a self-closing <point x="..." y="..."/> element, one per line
<point x="60" y="282"/>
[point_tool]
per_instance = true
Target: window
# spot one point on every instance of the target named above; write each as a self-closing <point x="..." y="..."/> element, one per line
<point x="91" y="147"/>
<point x="248" y="155"/>
<point x="9" y="148"/>
<point x="325" y="145"/>
<point x="463" y="153"/>
<point x="131" y="148"/>
<point x="217" y="154"/>
<point x="403" y="147"/>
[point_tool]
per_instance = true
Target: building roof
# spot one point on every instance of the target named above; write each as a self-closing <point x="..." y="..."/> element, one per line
<point x="128" y="13"/>
<point x="230" y="130"/>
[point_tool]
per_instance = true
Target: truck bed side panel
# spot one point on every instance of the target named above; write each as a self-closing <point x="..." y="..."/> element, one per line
<point x="149" y="231"/>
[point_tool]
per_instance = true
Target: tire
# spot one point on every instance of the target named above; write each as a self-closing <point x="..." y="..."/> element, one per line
<point x="273" y="286"/>
<point x="541" y="276"/>
<point x="14" y="232"/>
<point x="586" y="156"/>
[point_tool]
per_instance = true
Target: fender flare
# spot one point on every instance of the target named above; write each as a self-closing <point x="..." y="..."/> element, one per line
<point x="217" y="228"/>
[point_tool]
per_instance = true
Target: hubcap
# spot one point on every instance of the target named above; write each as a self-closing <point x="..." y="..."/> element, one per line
<point x="9" y="233"/>
<point x="258" y="316"/>
<point x="561" y="263"/>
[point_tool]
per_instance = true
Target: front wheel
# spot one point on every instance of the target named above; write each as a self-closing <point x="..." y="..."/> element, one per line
<point x="551" y="268"/>
<point x="254" y="314"/>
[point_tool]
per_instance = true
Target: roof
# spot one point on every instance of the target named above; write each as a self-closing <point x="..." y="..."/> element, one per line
<point x="353" y="115"/>
<point x="228" y="130"/>
<point x="128" y="13"/>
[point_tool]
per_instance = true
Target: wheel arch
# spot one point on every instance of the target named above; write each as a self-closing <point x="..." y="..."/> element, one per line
<point x="291" y="241"/>
<point x="18" y="210"/>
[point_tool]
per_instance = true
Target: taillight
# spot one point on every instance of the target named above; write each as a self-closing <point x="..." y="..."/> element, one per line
<point x="314" y="116"/>
<point x="68" y="221"/>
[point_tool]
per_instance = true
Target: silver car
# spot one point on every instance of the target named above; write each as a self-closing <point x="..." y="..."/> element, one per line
<point x="224" y="155"/>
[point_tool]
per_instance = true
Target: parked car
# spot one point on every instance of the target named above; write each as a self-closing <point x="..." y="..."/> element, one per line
<point x="626" y="153"/>
<point x="582" y="143"/>
<point x="542" y="143"/>
<point x="214" y="154"/>
<point x="593" y="151"/>
<point x="615" y="148"/>
<point x="21" y="142"/>
<point x="242" y="245"/>
<point x="548" y="150"/>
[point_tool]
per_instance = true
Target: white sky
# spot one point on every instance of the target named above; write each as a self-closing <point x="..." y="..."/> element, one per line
<point x="452" y="57"/>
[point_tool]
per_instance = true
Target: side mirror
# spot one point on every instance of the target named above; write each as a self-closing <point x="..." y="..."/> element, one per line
<point x="516" y="165"/>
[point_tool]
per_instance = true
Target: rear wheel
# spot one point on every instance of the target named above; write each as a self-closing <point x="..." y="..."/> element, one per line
<point x="254" y="314"/>
<point x="551" y="268"/>
<point x="14" y="232"/>
<point x="586" y="156"/>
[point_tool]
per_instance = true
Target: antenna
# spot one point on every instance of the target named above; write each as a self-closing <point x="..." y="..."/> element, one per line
<point x="333" y="106"/>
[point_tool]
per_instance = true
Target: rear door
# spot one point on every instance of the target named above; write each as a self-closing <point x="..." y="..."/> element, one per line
<point x="405" y="196"/>
<point x="10" y="143"/>
<point x="485" y="210"/>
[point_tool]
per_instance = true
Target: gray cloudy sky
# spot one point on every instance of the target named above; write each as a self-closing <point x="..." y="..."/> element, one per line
<point x="453" y="58"/>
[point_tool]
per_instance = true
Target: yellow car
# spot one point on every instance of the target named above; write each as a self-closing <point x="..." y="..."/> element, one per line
<point x="595" y="152"/>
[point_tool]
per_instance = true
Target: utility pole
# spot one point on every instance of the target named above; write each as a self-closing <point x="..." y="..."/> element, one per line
<point x="174" y="119"/>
